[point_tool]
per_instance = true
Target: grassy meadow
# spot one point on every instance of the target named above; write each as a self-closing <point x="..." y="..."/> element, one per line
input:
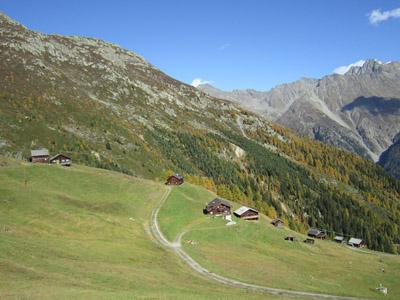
<point x="82" y="233"/>
<point x="256" y="252"/>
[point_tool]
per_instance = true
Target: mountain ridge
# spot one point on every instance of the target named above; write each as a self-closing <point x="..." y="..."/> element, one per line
<point x="369" y="134"/>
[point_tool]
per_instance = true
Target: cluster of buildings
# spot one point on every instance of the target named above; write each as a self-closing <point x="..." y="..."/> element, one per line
<point x="43" y="156"/>
<point x="220" y="207"/>
<point x="319" y="234"/>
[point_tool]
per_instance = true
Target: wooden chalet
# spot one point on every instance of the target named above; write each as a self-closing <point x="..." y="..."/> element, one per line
<point x="278" y="223"/>
<point x="338" y="239"/>
<point x="217" y="207"/>
<point x="39" y="156"/>
<point x="357" y="243"/>
<point x="175" y="179"/>
<point x="309" y="241"/>
<point x="61" y="159"/>
<point x="246" y="213"/>
<point x="316" y="233"/>
<point x="290" y="238"/>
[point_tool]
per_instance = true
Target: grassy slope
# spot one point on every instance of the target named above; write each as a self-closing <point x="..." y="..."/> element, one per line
<point x="255" y="252"/>
<point x="67" y="234"/>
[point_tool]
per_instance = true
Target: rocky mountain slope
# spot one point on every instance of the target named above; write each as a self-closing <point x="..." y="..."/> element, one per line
<point x="358" y="111"/>
<point x="107" y="107"/>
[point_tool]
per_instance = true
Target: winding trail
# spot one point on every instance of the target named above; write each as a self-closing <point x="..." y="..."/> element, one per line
<point x="176" y="247"/>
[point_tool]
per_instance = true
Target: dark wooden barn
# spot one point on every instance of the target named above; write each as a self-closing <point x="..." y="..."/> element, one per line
<point x="39" y="156"/>
<point x="316" y="233"/>
<point x="278" y="223"/>
<point x="218" y="207"/>
<point x="61" y="159"/>
<point x="290" y="238"/>
<point x="246" y="213"/>
<point x="175" y="179"/>
<point x="309" y="241"/>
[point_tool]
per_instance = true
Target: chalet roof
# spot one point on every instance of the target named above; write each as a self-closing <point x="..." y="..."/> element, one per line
<point x="355" y="241"/>
<point x="339" y="238"/>
<point x="57" y="155"/>
<point x="40" y="152"/>
<point x="314" y="231"/>
<point x="216" y="202"/>
<point x="243" y="209"/>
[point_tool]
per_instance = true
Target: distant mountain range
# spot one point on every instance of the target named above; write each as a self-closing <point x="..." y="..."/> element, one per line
<point x="358" y="111"/>
<point x="106" y="106"/>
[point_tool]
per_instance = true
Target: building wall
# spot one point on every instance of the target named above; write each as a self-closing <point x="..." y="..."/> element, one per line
<point x="61" y="159"/>
<point x="40" y="159"/>
<point x="174" y="181"/>
<point x="220" y="209"/>
<point x="249" y="215"/>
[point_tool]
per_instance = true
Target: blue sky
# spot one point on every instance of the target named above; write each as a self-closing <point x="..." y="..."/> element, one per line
<point x="233" y="44"/>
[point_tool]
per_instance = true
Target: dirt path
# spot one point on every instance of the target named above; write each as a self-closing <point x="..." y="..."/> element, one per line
<point x="176" y="247"/>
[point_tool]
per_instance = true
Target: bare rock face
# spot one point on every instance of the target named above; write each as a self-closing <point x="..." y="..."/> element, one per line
<point x="358" y="111"/>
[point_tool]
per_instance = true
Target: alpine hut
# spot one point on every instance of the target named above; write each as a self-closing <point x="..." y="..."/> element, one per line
<point x="354" y="242"/>
<point x="339" y="239"/>
<point x="309" y="241"/>
<point x="61" y="159"/>
<point x="246" y="213"/>
<point x="39" y="156"/>
<point x="175" y="179"/>
<point x="217" y="207"/>
<point x="316" y="233"/>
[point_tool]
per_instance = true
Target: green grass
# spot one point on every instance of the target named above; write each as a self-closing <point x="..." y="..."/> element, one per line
<point x="256" y="252"/>
<point x="82" y="233"/>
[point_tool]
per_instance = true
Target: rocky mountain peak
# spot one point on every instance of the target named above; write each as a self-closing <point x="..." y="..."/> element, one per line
<point x="369" y="66"/>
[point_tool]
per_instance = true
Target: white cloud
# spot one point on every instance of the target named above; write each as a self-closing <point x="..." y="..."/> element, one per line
<point x="343" y="69"/>
<point x="377" y="16"/>
<point x="198" y="81"/>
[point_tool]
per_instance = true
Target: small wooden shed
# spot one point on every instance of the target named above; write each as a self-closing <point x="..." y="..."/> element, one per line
<point x="339" y="239"/>
<point x="278" y="223"/>
<point x="39" y="156"/>
<point x="175" y="179"/>
<point x="217" y="207"/>
<point x="316" y="233"/>
<point x="61" y="159"/>
<point x="357" y="243"/>
<point x="246" y="213"/>
<point x="309" y="241"/>
<point x="290" y="238"/>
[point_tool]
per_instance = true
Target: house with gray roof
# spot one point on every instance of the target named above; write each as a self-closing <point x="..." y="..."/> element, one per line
<point x="39" y="156"/>
<point x="246" y="213"/>
<point x="316" y="233"/>
<point x="354" y="242"/>
<point x="217" y="207"/>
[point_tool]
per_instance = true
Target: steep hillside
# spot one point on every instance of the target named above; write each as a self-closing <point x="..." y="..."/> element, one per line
<point x="107" y="107"/>
<point x="82" y="233"/>
<point x="390" y="159"/>
<point x="358" y="111"/>
<point x="256" y="252"/>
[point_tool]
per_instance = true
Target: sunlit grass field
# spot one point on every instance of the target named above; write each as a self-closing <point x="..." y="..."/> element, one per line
<point x="256" y="252"/>
<point x="82" y="233"/>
